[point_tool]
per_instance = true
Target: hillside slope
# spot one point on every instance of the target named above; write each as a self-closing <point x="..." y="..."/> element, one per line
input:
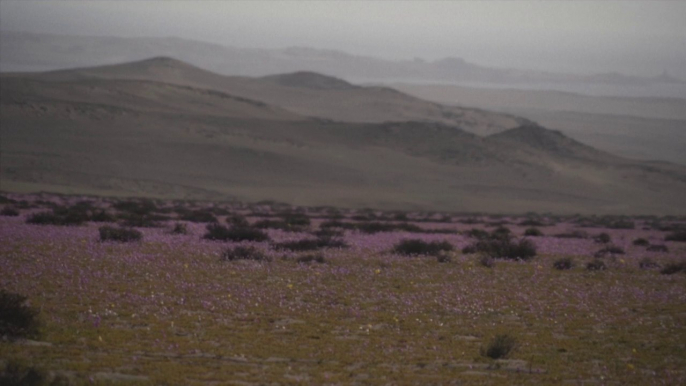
<point x="128" y="135"/>
<point x="331" y="98"/>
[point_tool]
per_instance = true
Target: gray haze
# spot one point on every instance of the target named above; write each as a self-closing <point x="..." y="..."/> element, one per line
<point x="635" y="38"/>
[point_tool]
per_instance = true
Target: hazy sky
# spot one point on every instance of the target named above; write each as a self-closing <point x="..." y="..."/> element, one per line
<point x="641" y="38"/>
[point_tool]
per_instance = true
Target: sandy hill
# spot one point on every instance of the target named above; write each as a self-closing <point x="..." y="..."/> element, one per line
<point x="305" y="93"/>
<point x="646" y="128"/>
<point x="163" y="128"/>
<point x="308" y="79"/>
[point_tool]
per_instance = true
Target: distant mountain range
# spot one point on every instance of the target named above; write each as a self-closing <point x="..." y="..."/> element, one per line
<point x="40" y="52"/>
<point x="161" y="127"/>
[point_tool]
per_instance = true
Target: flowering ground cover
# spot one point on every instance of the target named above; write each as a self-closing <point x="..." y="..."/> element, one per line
<point x="168" y="309"/>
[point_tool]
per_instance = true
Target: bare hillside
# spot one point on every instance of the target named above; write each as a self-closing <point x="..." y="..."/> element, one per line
<point x="162" y="128"/>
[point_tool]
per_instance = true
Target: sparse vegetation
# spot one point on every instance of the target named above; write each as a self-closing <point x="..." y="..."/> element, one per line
<point x="609" y="250"/>
<point x="122" y="235"/>
<point x="9" y="211"/>
<point x="596" y="265"/>
<point x="372" y="227"/>
<point x="530" y="222"/>
<point x="199" y="215"/>
<point x="500" y="347"/>
<point x="502" y="233"/>
<point x="602" y="238"/>
<point x="218" y="232"/>
<point x="657" y="248"/>
<point x="179" y="229"/>
<point x="243" y="253"/>
<point x="506" y="248"/>
<point x="533" y="232"/>
<point x="414" y="247"/>
<point x="217" y="307"/>
<point x="237" y="220"/>
<point x="311" y="244"/>
<point x="17" y="320"/>
<point x="609" y="222"/>
<point x="17" y="374"/>
<point x="376" y="227"/>
<point x="328" y="232"/>
<point x="311" y="258"/>
<point x="573" y="235"/>
<point x="676" y="236"/>
<point x="477" y="233"/>
<point x="563" y="263"/>
<point x="641" y="242"/>
<point x="60" y="216"/>
<point x="444" y="258"/>
<point x="487" y="261"/>
<point x="674" y="267"/>
<point x="296" y="219"/>
<point x="279" y="224"/>
<point x="648" y="263"/>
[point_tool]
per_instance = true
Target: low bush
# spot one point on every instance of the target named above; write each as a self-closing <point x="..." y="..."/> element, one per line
<point x="648" y="263"/>
<point x="602" y="238"/>
<point x="199" y="215"/>
<point x="609" y="222"/>
<point x="337" y="224"/>
<point x="122" y="235"/>
<point x="477" y="233"/>
<point x="141" y="207"/>
<point x="296" y="219"/>
<point x="563" y="263"/>
<point x="59" y="216"/>
<point x="676" y="236"/>
<point x="470" y="221"/>
<point x="328" y="232"/>
<point x="487" y="262"/>
<point x="377" y="227"/>
<point x="620" y="224"/>
<point x="17" y="320"/>
<point x="237" y="220"/>
<point x="411" y="247"/>
<point x="311" y="258"/>
<point x="5" y="200"/>
<point x="311" y="244"/>
<point x="532" y="223"/>
<point x="9" y="211"/>
<point x="609" y="250"/>
<point x="139" y="213"/>
<point x="469" y="249"/>
<point x="278" y="224"/>
<point x="641" y="242"/>
<point x="444" y="258"/>
<point x="673" y="268"/>
<point x="179" y="229"/>
<point x="573" y="235"/>
<point x="501" y="232"/>
<point x="657" y="248"/>
<point x="510" y="249"/>
<point x="101" y="215"/>
<point x="400" y="216"/>
<point x="372" y="227"/>
<point x="596" y="265"/>
<point x="218" y="232"/>
<point x="501" y="346"/>
<point x="533" y="232"/>
<point x="243" y="253"/>
<point x="19" y="374"/>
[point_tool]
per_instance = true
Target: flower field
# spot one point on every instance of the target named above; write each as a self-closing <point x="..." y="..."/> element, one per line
<point x="185" y="305"/>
